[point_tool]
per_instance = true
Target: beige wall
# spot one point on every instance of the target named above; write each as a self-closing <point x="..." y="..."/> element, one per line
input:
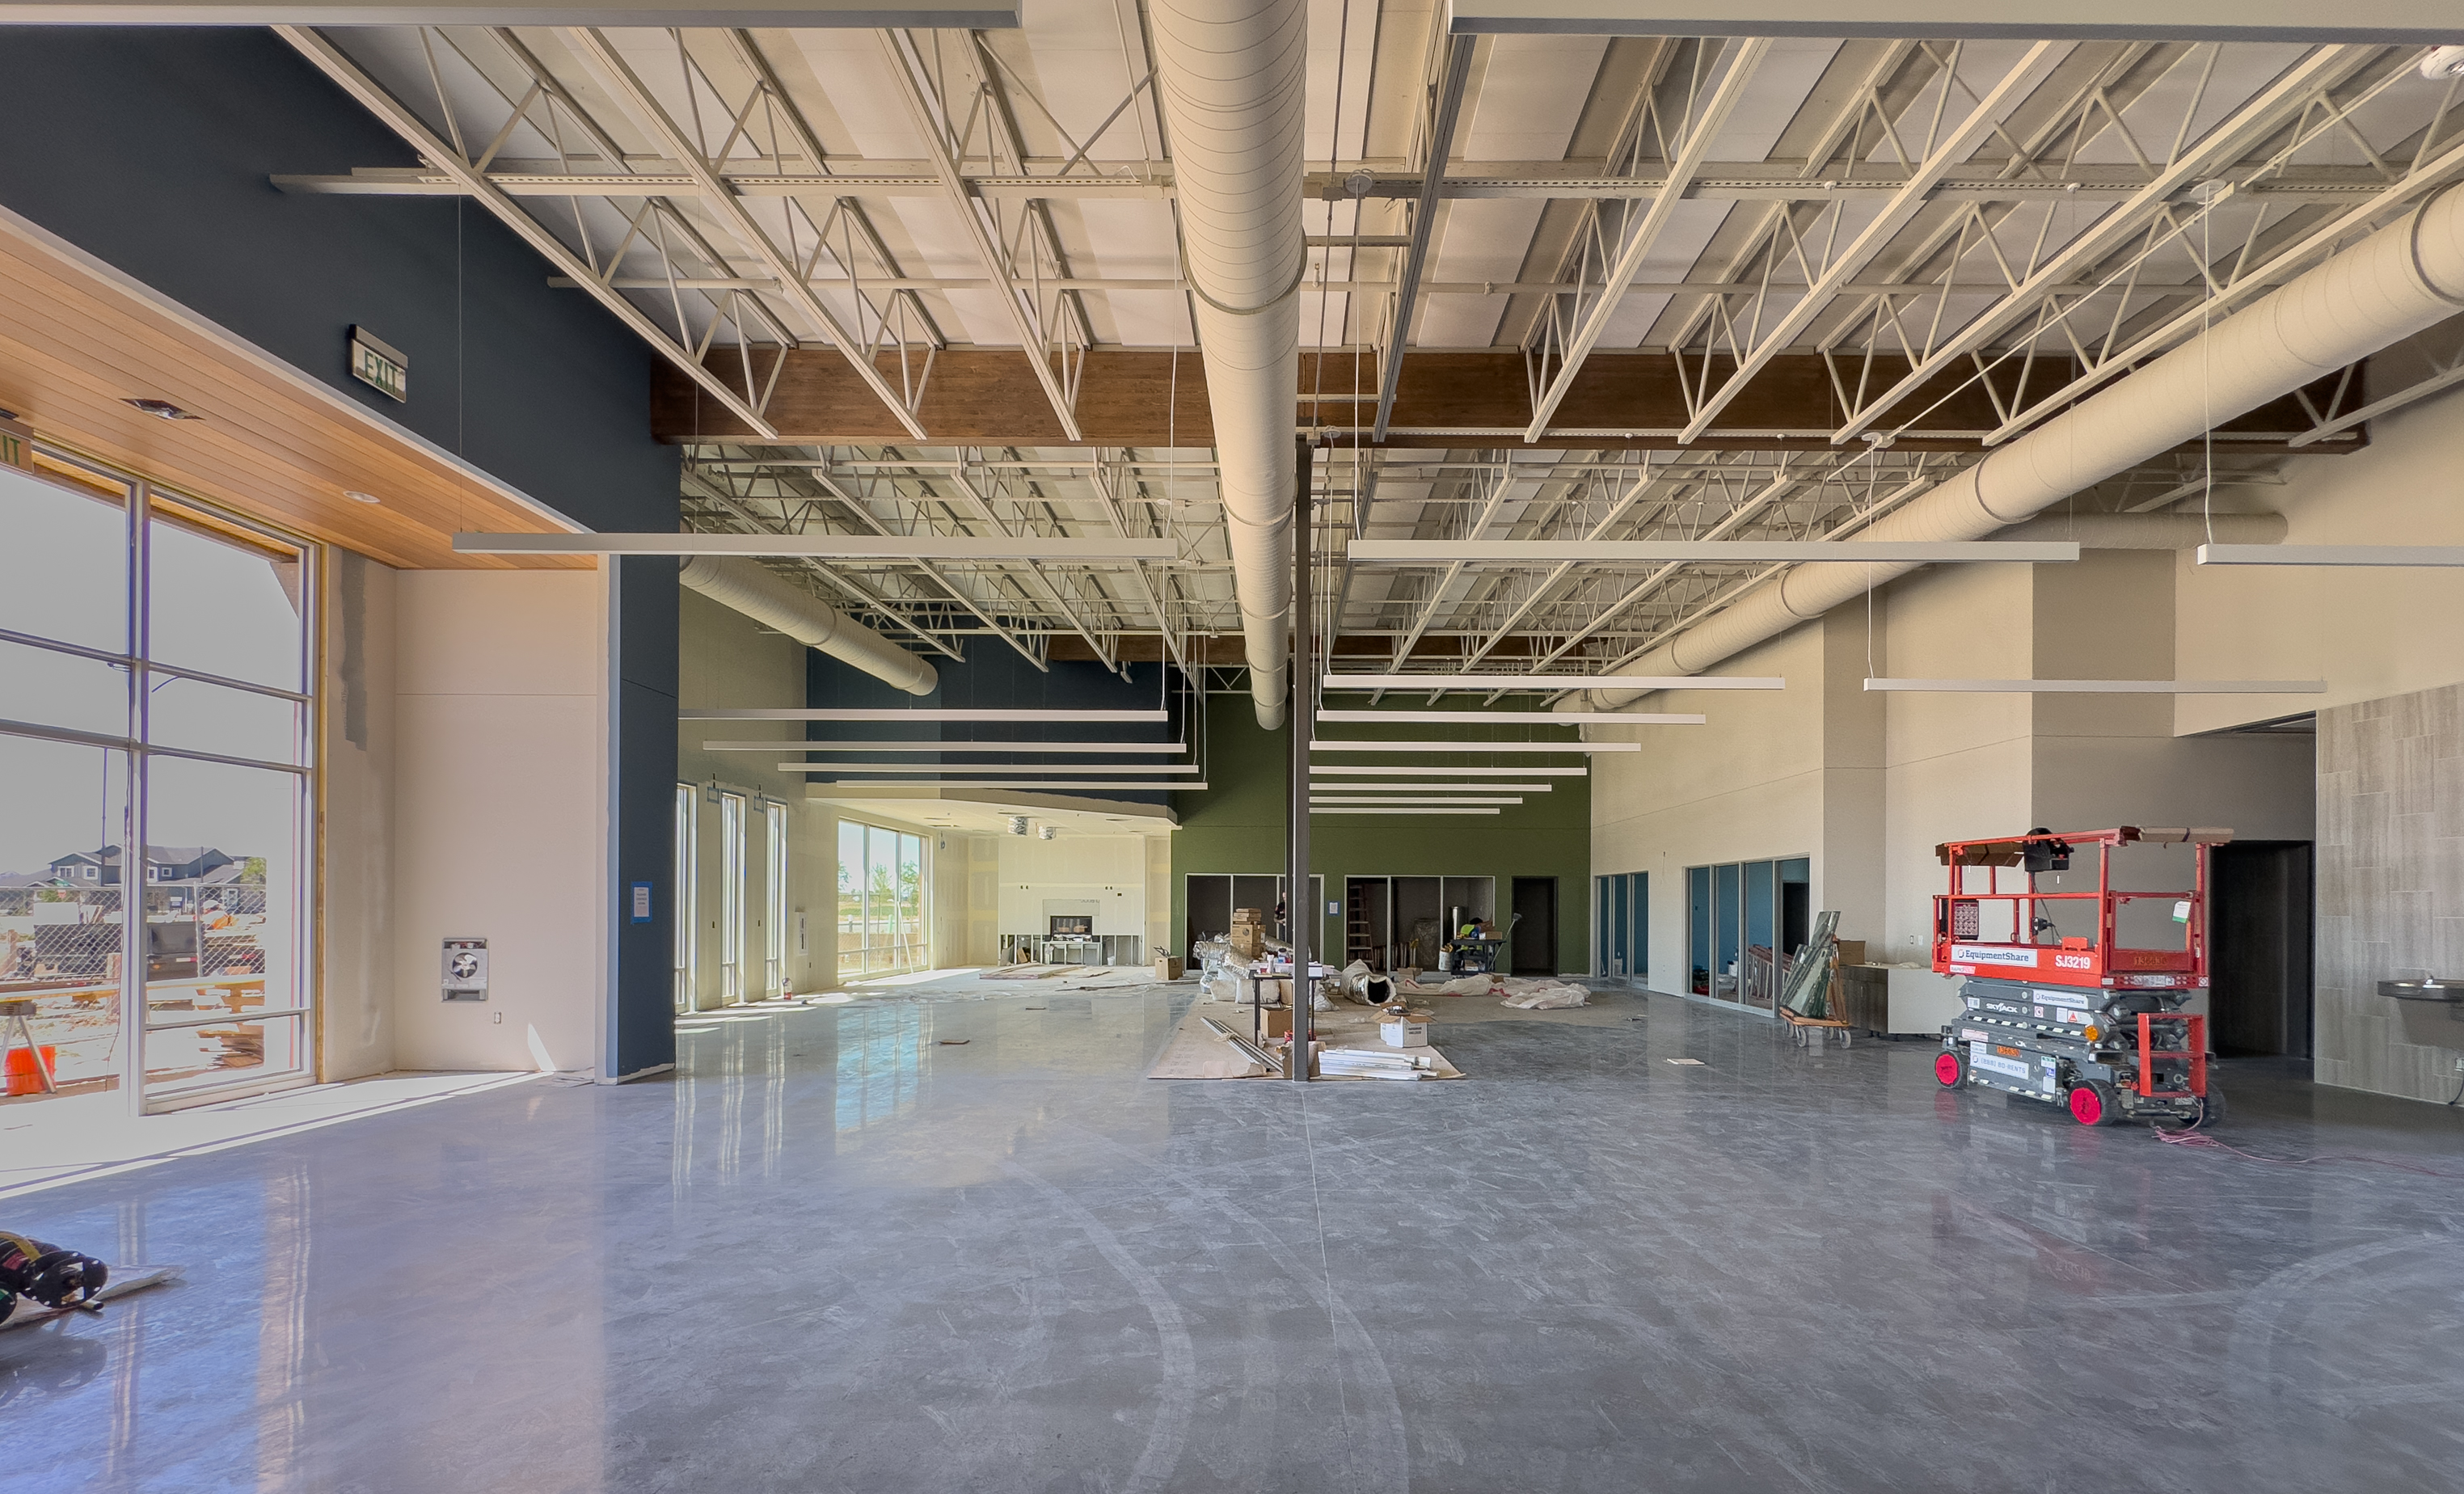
<point x="2389" y="645"/>
<point x="1158" y="889"/>
<point x="983" y="900"/>
<point x="1107" y="873"/>
<point x="1956" y="764"/>
<point x="1867" y="783"/>
<point x="356" y="955"/>
<point x="499" y="815"/>
<point x="2369" y="633"/>
<point x="1746" y="786"/>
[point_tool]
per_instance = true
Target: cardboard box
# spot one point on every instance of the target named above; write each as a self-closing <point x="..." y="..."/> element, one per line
<point x="1404" y="1032"/>
<point x="1279" y="1023"/>
<point x="1167" y="967"/>
<point x="1852" y="952"/>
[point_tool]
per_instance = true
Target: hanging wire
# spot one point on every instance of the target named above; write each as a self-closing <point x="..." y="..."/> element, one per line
<point x="2207" y="375"/>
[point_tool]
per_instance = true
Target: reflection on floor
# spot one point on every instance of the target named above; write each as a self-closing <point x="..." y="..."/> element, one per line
<point x="915" y="1242"/>
<point x="88" y="1135"/>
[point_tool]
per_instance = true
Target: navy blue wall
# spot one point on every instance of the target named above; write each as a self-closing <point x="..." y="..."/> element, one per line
<point x="995" y="676"/>
<point x="150" y="150"/>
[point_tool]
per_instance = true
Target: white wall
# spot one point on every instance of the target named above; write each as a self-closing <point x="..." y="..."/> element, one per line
<point x="499" y="814"/>
<point x="1107" y="871"/>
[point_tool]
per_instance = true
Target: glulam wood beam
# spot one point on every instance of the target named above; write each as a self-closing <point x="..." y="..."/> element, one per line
<point x="1622" y="400"/>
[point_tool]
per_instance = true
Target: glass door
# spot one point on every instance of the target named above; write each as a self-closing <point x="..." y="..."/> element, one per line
<point x="687" y="891"/>
<point x="774" y="928"/>
<point x="733" y="872"/>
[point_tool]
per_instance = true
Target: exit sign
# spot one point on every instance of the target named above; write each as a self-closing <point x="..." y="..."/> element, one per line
<point x="17" y="445"/>
<point x="375" y="364"/>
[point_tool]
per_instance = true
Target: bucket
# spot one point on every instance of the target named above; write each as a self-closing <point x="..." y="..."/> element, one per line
<point x="24" y="1078"/>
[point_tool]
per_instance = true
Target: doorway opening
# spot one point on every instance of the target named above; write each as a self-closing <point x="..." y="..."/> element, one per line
<point x="1534" y="949"/>
<point x="2259" y="948"/>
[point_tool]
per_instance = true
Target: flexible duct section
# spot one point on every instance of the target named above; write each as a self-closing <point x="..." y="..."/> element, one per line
<point x="1231" y="75"/>
<point x="2398" y="281"/>
<point x="749" y="588"/>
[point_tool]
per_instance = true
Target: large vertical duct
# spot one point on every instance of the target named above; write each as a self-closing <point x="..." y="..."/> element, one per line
<point x="749" y="588"/>
<point x="1231" y="75"/>
<point x="2405" y="278"/>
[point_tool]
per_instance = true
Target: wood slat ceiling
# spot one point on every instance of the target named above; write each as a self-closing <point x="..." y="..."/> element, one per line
<point x="76" y="342"/>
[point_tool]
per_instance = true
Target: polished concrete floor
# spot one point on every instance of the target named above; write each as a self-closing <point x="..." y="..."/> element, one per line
<point x="846" y="1250"/>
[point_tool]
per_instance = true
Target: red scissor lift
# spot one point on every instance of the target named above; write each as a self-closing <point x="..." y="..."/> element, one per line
<point x="2058" y="1008"/>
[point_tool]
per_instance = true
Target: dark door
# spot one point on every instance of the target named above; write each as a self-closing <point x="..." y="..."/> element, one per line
<point x="2259" y="948"/>
<point x="1210" y="907"/>
<point x="1536" y="926"/>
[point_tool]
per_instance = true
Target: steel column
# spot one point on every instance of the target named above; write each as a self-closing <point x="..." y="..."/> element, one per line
<point x="132" y="842"/>
<point x="1302" y="718"/>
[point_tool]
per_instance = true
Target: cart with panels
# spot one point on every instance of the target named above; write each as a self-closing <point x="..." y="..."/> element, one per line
<point x="2074" y="992"/>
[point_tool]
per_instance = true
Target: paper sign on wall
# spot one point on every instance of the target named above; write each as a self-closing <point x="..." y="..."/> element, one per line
<point x="466" y="969"/>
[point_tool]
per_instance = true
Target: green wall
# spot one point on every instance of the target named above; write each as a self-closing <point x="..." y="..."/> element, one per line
<point x="1237" y="826"/>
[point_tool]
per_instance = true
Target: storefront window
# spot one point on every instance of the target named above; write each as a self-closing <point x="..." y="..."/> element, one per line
<point x="881" y="901"/>
<point x="154" y="757"/>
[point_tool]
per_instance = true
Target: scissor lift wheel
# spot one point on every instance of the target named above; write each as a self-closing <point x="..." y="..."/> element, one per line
<point x="1951" y="1068"/>
<point x="2093" y="1104"/>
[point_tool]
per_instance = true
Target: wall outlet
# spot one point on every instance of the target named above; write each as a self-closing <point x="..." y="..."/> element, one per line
<point x="499" y="1017"/>
<point x="2460" y="1066"/>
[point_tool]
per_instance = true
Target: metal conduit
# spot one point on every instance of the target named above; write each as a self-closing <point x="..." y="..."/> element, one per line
<point x="749" y="588"/>
<point x="2406" y="276"/>
<point x="1231" y="75"/>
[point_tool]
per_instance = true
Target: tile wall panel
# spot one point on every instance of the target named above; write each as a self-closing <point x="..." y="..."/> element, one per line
<point x="2390" y="890"/>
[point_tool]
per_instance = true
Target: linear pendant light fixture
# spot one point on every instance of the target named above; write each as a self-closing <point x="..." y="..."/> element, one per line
<point x="922" y="768"/>
<point x="2423" y="554"/>
<point x="1023" y="785"/>
<point x="1492" y="552"/>
<point x="1423" y="788"/>
<point x="1343" y="771"/>
<point x="895" y="713"/>
<point x="1321" y="745"/>
<point x="1552" y="682"/>
<point x="1459" y="798"/>
<point x="825" y="547"/>
<point x="797" y="744"/>
<point x="1503" y="718"/>
<point x="2105" y="687"/>
<point x="1315" y="809"/>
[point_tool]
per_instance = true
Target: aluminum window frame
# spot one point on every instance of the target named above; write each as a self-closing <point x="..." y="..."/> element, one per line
<point x="141" y="495"/>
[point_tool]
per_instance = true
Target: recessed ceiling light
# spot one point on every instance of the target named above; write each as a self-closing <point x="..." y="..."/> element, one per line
<point x="356" y="496"/>
<point x="161" y="409"/>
